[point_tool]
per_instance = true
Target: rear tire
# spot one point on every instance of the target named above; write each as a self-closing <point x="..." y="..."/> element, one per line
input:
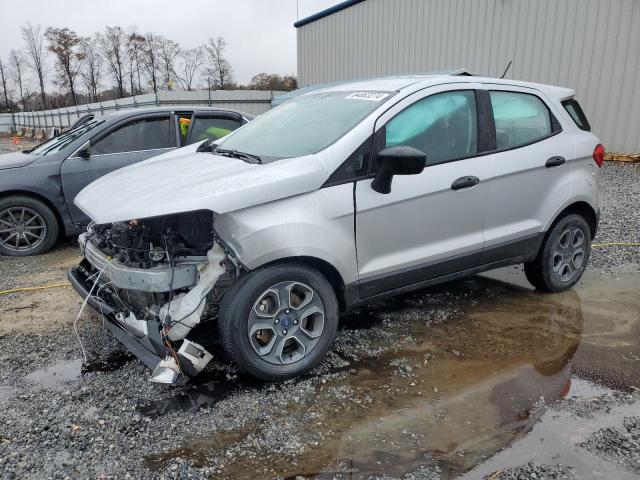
<point x="563" y="256"/>
<point x="279" y="321"/>
<point x="27" y="226"/>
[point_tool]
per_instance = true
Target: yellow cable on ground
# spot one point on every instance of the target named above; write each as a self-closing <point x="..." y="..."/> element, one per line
<point x="31" y="289"/>
<point x="616" y="244"/>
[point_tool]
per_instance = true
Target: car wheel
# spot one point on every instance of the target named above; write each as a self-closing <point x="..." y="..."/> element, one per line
<point x="279" y="321"/>
<point x="27" y="226"/>
<point x="563" y="256"/>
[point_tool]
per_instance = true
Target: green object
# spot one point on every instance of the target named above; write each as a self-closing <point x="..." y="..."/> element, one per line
<point x="214" y="133"/>
<point x="184" y="127"/>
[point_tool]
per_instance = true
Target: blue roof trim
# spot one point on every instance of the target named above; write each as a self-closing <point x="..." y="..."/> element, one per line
<point x="326" y="12"/>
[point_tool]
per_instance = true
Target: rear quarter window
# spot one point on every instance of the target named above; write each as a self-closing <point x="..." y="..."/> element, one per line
<point x="574" y="110"/>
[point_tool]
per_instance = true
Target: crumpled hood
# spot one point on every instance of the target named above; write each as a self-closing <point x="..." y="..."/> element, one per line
<point x="184" y="181"/>
<point x="16" y="159"/>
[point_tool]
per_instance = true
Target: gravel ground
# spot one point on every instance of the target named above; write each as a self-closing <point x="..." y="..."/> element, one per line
<point x="619" y="218"/>
<point x="620" y="445"/>
<point x="392" y="400"/>
<point x="531" y="471"/>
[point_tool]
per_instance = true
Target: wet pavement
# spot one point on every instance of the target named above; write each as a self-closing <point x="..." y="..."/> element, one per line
<point x="462" y="380"/>
<point x="453" y="393"/>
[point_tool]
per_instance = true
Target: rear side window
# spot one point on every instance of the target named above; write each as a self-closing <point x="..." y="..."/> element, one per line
<point x="211" y="128"/>
<point x="574" y="110"/>
<point x="520" y="119"/>
<point x="443" y="126"/>
<point x="143" y="134"/>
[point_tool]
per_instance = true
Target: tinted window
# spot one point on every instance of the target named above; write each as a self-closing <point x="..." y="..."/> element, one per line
<point x="574" y="110"/>
<point x="444" y="126"/>
<point x="520" y="119"/>
<point x="143" y="134"/>
<point x="211" y="128"/>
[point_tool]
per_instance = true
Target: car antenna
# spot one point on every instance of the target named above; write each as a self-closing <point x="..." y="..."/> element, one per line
<point x="506" y="69"/>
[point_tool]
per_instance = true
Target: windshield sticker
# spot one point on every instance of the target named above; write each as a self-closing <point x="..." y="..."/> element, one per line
<point x="371" y="96"/>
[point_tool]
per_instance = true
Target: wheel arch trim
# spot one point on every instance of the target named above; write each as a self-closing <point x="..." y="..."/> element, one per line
<point x="583" y="206"/>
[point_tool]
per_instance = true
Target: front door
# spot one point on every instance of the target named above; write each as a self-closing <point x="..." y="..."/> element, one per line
<point x="431" y="224"/>
<point x="134" y="141"/>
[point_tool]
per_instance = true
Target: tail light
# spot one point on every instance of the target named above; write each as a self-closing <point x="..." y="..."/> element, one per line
<point x="598" y="154"/>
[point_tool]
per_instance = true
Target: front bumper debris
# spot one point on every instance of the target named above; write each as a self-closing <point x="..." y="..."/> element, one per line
<point x="142" y="337"/>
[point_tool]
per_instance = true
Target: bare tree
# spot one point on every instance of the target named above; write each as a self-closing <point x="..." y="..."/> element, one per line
<point x="190" y="61"/>
<point x="169" y="51"/>
<point x="113" y="44"/>
<point x="3" y="78"/>
<point x="219" y="68"/>
<point x="151" y="58"/>
<point x="289" y="82"/>
<point x="17" y="60"/>
<point x="135" y="49"/>
<point x="92" y="71"/>
<point x="273" y="81"/>
<point x="65" y="46"/>
<point x="33" y="39"/>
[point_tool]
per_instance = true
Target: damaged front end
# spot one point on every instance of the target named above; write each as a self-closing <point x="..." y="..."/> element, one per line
<point x="153" y="281"/>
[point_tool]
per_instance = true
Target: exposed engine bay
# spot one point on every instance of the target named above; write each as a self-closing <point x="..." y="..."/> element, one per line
<point x="145" y="243"/>
<point x="156" y="279"/>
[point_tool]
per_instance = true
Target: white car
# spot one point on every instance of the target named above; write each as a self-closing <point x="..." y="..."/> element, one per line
<point x="333" y="199"/>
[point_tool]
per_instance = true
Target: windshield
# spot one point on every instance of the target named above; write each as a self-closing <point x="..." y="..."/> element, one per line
<point x="303" y="125"/>
<point x="64" y="139"/>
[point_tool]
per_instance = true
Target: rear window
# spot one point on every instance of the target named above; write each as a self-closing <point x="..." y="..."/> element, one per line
<point x="574" y="110"/>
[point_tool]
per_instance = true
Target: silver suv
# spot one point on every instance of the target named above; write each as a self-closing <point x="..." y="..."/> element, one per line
<point x="333" y="199"/>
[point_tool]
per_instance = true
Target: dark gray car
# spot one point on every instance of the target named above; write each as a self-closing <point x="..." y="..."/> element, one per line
<point x="37" y="186"/>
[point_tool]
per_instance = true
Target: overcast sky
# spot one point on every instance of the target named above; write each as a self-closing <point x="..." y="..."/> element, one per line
<point x="259" y="33"/>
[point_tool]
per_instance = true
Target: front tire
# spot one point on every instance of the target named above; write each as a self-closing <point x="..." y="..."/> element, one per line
<point x="563" y="256"/>
<point x="279" y="321"/>
<point x="27" y="226"/>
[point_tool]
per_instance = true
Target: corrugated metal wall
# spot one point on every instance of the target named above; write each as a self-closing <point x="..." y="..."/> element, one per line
<point x="590" y="45"/>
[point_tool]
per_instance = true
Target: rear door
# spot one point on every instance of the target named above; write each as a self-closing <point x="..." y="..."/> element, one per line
<point x="126" y="143"/>
<point x="528" y="174"/>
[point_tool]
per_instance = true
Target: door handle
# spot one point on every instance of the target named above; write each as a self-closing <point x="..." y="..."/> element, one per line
<point x="465" y="182"/>
<point x="554" y="162"/>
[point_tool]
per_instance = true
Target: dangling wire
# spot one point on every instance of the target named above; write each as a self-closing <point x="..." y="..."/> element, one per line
<point x="84" y="304"/>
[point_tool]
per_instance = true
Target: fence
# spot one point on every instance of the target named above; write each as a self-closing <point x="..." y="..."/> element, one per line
<point x="254" y="102"/>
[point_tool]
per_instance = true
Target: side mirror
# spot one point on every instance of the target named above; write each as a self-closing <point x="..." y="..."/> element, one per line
<point x="399" y="160"/>
<point x="84" y="151"/>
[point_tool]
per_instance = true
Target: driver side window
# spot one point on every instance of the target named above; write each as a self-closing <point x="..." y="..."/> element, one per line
<point x="443" y="126"/>
<point x="143" y="134"/>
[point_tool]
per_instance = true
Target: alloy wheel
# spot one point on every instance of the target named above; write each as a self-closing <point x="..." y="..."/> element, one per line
<point x="286" y="322"/>
<point x="21" y="229"/>
<point x="569" y="254"/>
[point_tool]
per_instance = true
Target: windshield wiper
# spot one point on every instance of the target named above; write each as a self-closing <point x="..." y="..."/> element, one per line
<point x="247" y="157"/>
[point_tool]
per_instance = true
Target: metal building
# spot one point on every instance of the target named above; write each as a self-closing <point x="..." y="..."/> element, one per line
<point x="592" y="46"/>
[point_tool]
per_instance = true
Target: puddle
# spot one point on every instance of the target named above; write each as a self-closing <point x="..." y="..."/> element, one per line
<point x="56" y="376"/>
<point x="556" y="435"/>
<point x="447" y="377"/>
<point x="198" y="450"/>
<point x="112" y="362"/>
<point x="207" y="389"/>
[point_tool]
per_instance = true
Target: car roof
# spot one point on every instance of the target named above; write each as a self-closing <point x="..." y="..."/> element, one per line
<point x="416" y="82"/>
